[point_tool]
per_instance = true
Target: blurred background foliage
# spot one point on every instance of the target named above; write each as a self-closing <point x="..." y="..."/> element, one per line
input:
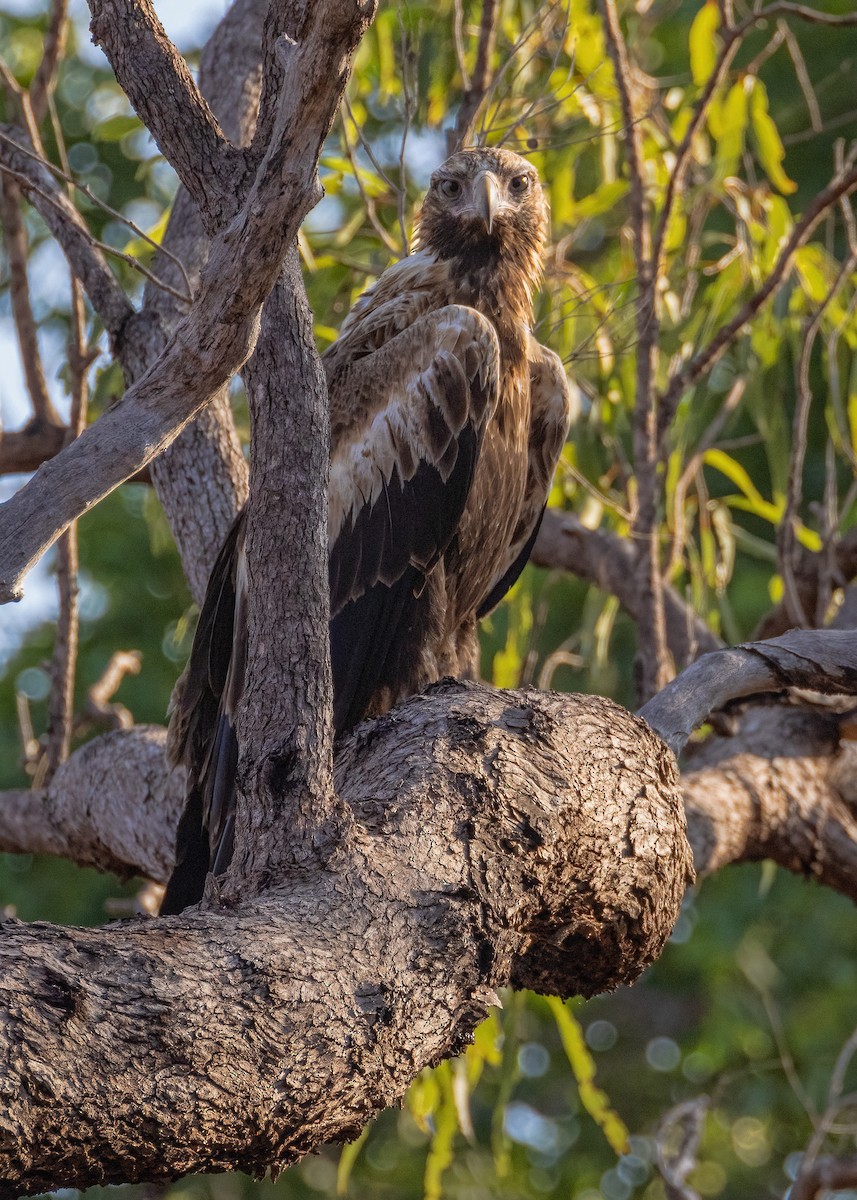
<point x="738" y="1026"/>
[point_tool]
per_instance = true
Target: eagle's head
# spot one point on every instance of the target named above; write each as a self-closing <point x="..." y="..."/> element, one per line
<point x="485" y="210"/>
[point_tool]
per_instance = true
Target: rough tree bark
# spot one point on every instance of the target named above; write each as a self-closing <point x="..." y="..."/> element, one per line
<point x="468" y="840"/>
<point x="533" y="840"/>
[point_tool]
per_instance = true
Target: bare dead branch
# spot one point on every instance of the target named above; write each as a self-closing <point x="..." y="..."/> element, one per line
<point x="820" y="660"/>
<point x="158" y="83"/>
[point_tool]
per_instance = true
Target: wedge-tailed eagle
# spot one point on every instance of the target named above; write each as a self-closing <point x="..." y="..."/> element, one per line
<point x="447" y="421"/>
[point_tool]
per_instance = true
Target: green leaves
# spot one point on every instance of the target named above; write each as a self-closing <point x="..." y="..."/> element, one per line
<point x="594" y="1100"/>
<point x="703" y="42"/>
<point x="769" y="144"/>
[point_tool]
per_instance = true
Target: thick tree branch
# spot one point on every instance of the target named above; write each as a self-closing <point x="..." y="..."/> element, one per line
<point x="158" y="83"/>
<point x="201" y="480"/>
<point x="783" y="788"/>
<point x="498" y="862"/>
<point x="285" y="726"/>
<point x="819" y="660"/>
<point x="113" y="805"/>
<point x="27" y="448"/>
<point x="607" y="560"/>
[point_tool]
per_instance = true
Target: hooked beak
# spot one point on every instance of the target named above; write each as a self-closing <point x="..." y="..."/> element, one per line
<point x="486" y="196"/>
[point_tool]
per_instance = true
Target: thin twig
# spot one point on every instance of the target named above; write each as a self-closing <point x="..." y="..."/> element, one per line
<point x="58" y="735"/>
<point x="409" y="107"/>
<point x="63" y="173"/>
<point x="368" y="202"/>
<point x="458" y="39"/>
<point x="16" y="247"/>
<point x="27" y="185"/>
<point x="736" y="393"/>
<point x="786" y="533"/>
<point x="476" y="88"/>
<point x="802" y="77"/>
<point x="45" y="78"/>
<point x="652" y="649"/>
<point x="100" y="706"/>
<point x="692" y="370"/>
<point x="57" y="739"/>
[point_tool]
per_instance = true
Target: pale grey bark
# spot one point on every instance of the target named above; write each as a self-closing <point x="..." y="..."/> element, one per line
<point x="819" y="660"/>
<point x="218" y="334"/>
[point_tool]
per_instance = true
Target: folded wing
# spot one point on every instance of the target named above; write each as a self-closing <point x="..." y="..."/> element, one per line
<point x="408" y="421"/>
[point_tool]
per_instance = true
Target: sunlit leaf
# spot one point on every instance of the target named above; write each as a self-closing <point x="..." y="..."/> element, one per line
<point x="347" y="1158"/>
<point x="703" y="42"/>
<point x="594" y="1100"/>
<point x="731" y="129"/>
<point x="768" y="140"/>
<point x="443" y="1137"/>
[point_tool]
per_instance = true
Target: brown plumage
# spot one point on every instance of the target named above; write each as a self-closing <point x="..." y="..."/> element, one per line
<point x="447" y="420"/>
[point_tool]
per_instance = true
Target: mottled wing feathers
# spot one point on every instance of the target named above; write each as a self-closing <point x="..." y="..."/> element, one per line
<point x="551" y="409"/>
<point x="399" y="482"/>
<point x="397" y="490"/>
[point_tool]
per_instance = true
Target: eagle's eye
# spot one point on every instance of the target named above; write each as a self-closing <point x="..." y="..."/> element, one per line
<point x="519" y="184"/>
<point x="450" y="188"/>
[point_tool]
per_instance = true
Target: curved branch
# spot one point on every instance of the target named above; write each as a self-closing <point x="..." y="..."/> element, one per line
<point x="274" y="1026"/>
<point x="818" y="660"/>
<point x="784" y="788"/>
<point x="113" y="805"/>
